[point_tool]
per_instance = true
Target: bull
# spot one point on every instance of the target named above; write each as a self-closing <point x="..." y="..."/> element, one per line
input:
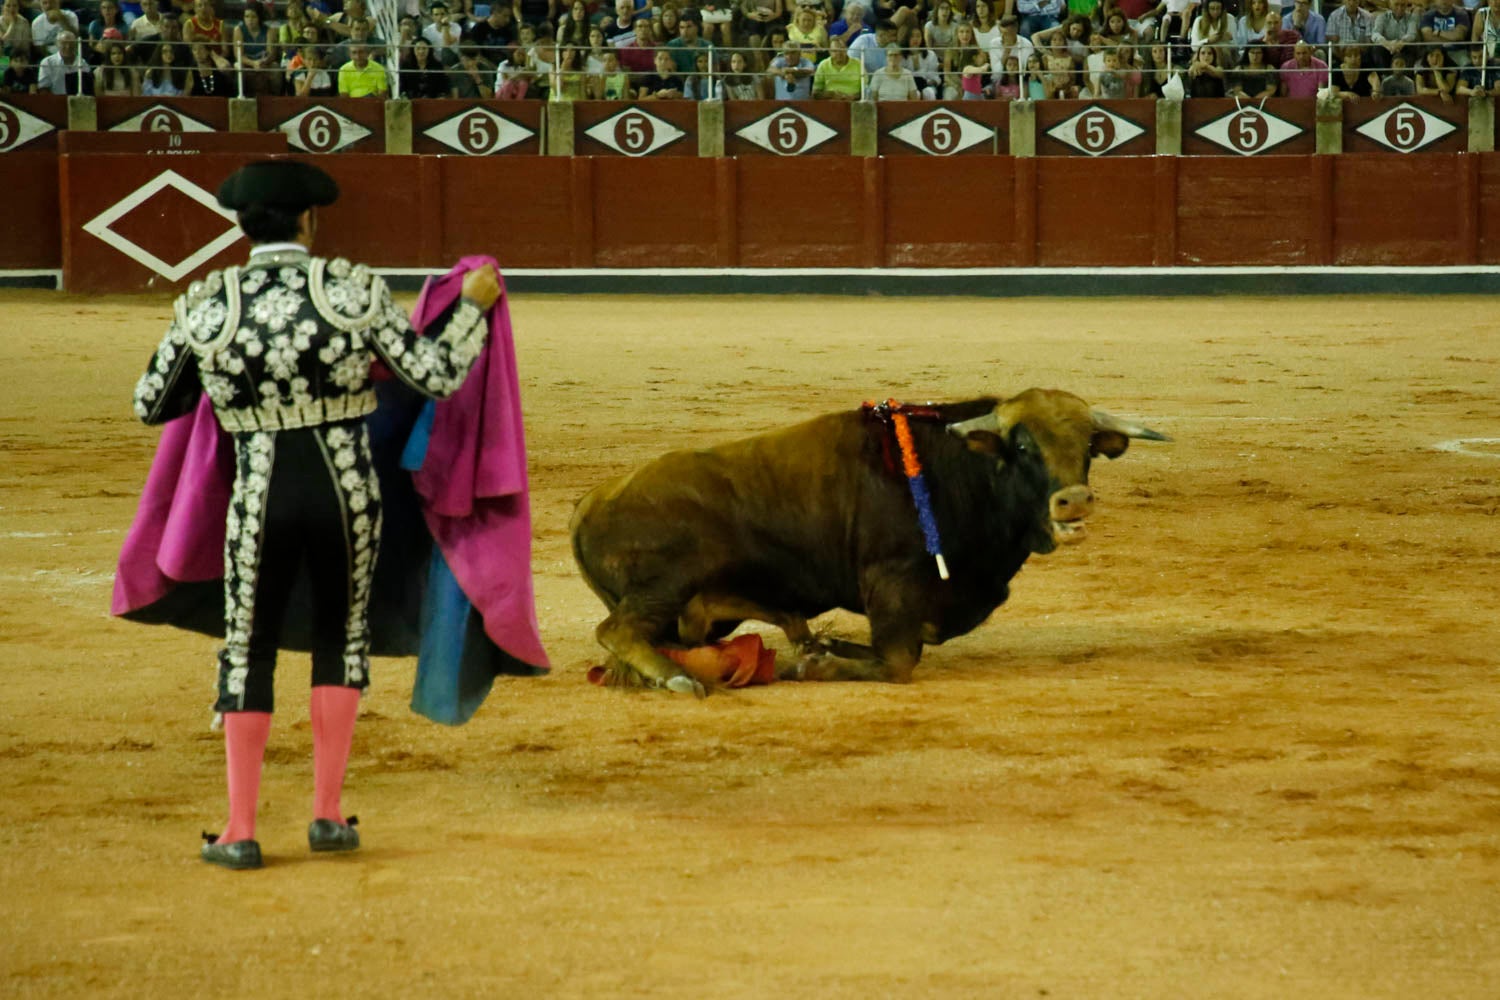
<point x="786" y="525"/>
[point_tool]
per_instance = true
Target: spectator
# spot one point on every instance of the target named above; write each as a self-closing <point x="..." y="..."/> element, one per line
<point x="986" y="28"/>
<point x="808" y="31"/>
<point x="686" y="46"/>
<point x="1205" y="75"/>
<point x="893" y="81"/>
<point x="1157" y="71"/>
<point x="206" y="74"/>
<point x="1110" y="84"/>
<point x="738" y="84"/>
<point x="534" y="12"/>
<point x="48" y="25"/>
<point x="422" y="76"/>
<point x="573" y="27"/>
<point x="1010" y="43"/>
<point x="572" y="82"/>
<point x="256" y="54"/>
<point x="1349" y="25"/>
<point x="15" y="30"/>
<point x="362" y="76"/>
<point x="1074" y="34"/>
<point x="442" y="34"/>
<point x="311" y="78"/>
<point x="975" y="68"/>
<point x="851" y="25"/>
<point x="621" y="27"/>
<point x="1397" y="81"/>
<point x="360" y="34"/>
<point x="1062" y="76"/>
<point x="108" y="20"/>
<point x="1038" y="15"/>
<point x="64" y="71"/>
<point x="1176" y="23"/>
<point x="956" y="59"/>
<point x="1214" y="27"/>
<point x="1254" y="23"/>
<point x="904" y="14"/>
<point x="638" y="57"/>
<point x="113" y="77"/>
<point x="791" y="74"/>
<point x="1352" y="80"/>
<point x="470" y="78"/>
<point x="869" y="50"/>
<point x="1034" y="77"/>
<point x="1393" y="31"/>
<point x="593" y="56"/>
<point x="1436" y="75"/>
<point x="760" y="16"/>
<point x="1142" y="15"/>
<point x="165" y="75"/>
<point x="205" y="26"/>
<point x="699" y="84"/>
<point x="496" y="33"/>
<point x="938" y="32"/>
<point x="718" y="15"/>
<point x="340" y="25"/>
<point x="20" y="76"/>
<point x="1255" y="79"/>
<point x="541" y="58"/>
<point x="1007" y="83"/>
<point x="1113" y="32"/>
<point x="513" y="79"/>
<point x="1444" y="25"/>
<point x="1486" y="33"/>
<point x="926" y="69"/>
<point x="145" y="31"/>
<point x="291" y="32"/>
<point x="667" y="25"/>
<point x="664" y="84"/>
<point x="837" y="78"/>
<point x="1304" y="73"/>
<point x="1306" y="22"/>
<point x="613" y="83"/>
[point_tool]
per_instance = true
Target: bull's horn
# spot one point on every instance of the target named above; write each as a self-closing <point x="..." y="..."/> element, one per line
<point x="1109" y="422"/>
<point x="984" y="422"/>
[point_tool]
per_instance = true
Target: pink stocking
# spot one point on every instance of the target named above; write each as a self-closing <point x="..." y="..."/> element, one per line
<point x="245" y="735"/>
<point x="333" y="712"/>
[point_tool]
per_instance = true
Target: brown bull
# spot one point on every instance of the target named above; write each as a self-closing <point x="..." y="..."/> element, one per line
<point x="786" y="525"/>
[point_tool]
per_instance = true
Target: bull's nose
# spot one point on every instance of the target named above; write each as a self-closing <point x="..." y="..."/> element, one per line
<point x="1072" y="504"/>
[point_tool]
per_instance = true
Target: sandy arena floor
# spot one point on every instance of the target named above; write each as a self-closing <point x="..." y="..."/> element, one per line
<point x="1241" y="742"/>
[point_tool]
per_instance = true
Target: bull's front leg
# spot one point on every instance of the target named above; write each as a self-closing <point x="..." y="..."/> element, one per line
<point x="626" y="633"/>
<point x="893" y="609"/>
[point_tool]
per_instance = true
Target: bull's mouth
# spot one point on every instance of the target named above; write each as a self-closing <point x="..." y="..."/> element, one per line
<point x="1068" y="532"/>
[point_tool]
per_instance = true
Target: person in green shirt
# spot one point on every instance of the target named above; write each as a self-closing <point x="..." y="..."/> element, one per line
<point x="838" y="78"/>
<point x="360" y="76"/>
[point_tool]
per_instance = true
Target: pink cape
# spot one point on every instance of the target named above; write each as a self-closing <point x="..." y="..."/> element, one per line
<point x="473" y="487"/>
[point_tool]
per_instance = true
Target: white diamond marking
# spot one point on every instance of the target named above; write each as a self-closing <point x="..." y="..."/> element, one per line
<point x="322" y="130"/>
<point x="1248" y="131"/>
<point x="942" y="133"/>
<point x="634" y="132"/>
<point x="1095" y="131"/>
<point x="1406" y="128"/>
<point x="160" y="118"/>
<point x="478" y="132"/>
<point x="787" y="132"/>
<point x="99" y="226"/>
<point x="18" y="127"/>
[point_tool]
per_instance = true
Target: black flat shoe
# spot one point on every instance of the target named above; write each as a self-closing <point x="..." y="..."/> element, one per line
<point x="328" y="835"/>
<point x="240" y="855"/>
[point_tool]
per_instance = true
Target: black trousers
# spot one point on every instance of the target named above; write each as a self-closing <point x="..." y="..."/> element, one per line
<point x="304" y="501"/>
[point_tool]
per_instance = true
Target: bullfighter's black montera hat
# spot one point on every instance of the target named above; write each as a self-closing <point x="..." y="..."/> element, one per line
<point x="286" y="184"/>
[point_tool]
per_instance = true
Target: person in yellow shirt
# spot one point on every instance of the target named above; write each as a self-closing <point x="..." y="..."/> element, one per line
<point x="838" y="78"/>
<point x="361" y="76"/>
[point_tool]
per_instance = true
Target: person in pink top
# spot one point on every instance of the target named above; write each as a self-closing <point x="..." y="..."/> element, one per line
<point x="1304" y="73"/>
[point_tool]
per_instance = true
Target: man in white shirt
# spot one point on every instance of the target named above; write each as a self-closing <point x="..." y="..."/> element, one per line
<point x="51" y="22"/>
<point x="1010" y="42"/>
<point x="64" y="71"/>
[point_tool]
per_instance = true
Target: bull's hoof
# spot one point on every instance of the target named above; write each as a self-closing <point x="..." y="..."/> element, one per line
<point x="683" y="684"/>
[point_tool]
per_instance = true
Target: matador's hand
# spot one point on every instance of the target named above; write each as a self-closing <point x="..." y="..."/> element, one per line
<point x="482" y="286"/>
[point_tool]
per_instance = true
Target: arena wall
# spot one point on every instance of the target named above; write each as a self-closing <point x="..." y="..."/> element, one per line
<point x="816" y="185"/>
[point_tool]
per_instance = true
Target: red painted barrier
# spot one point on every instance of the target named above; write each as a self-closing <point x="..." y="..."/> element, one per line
<point x="1212" y="127"/>
<point x="651" y="128"/>
<point x="470" y="128"/>
<point x="1416" y="124"/>
<point x="779" y="128"/>
<point x="162" y="114"/>
<point x="1096" y="128"/>
<point x="326" y="125"/>
<point x="930" y="128"/>
<point x="31" y="122"/>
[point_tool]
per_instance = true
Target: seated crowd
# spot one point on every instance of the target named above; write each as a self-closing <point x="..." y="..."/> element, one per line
<point x="753" y="49"/>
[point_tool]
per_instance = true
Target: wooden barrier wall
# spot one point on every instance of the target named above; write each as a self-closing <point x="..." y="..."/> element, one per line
<point x="835" y="211"/>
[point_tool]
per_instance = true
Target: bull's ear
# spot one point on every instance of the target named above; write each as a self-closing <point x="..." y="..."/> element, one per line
<point x="1111" y="444"/>
<point x="988" y="443"/>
